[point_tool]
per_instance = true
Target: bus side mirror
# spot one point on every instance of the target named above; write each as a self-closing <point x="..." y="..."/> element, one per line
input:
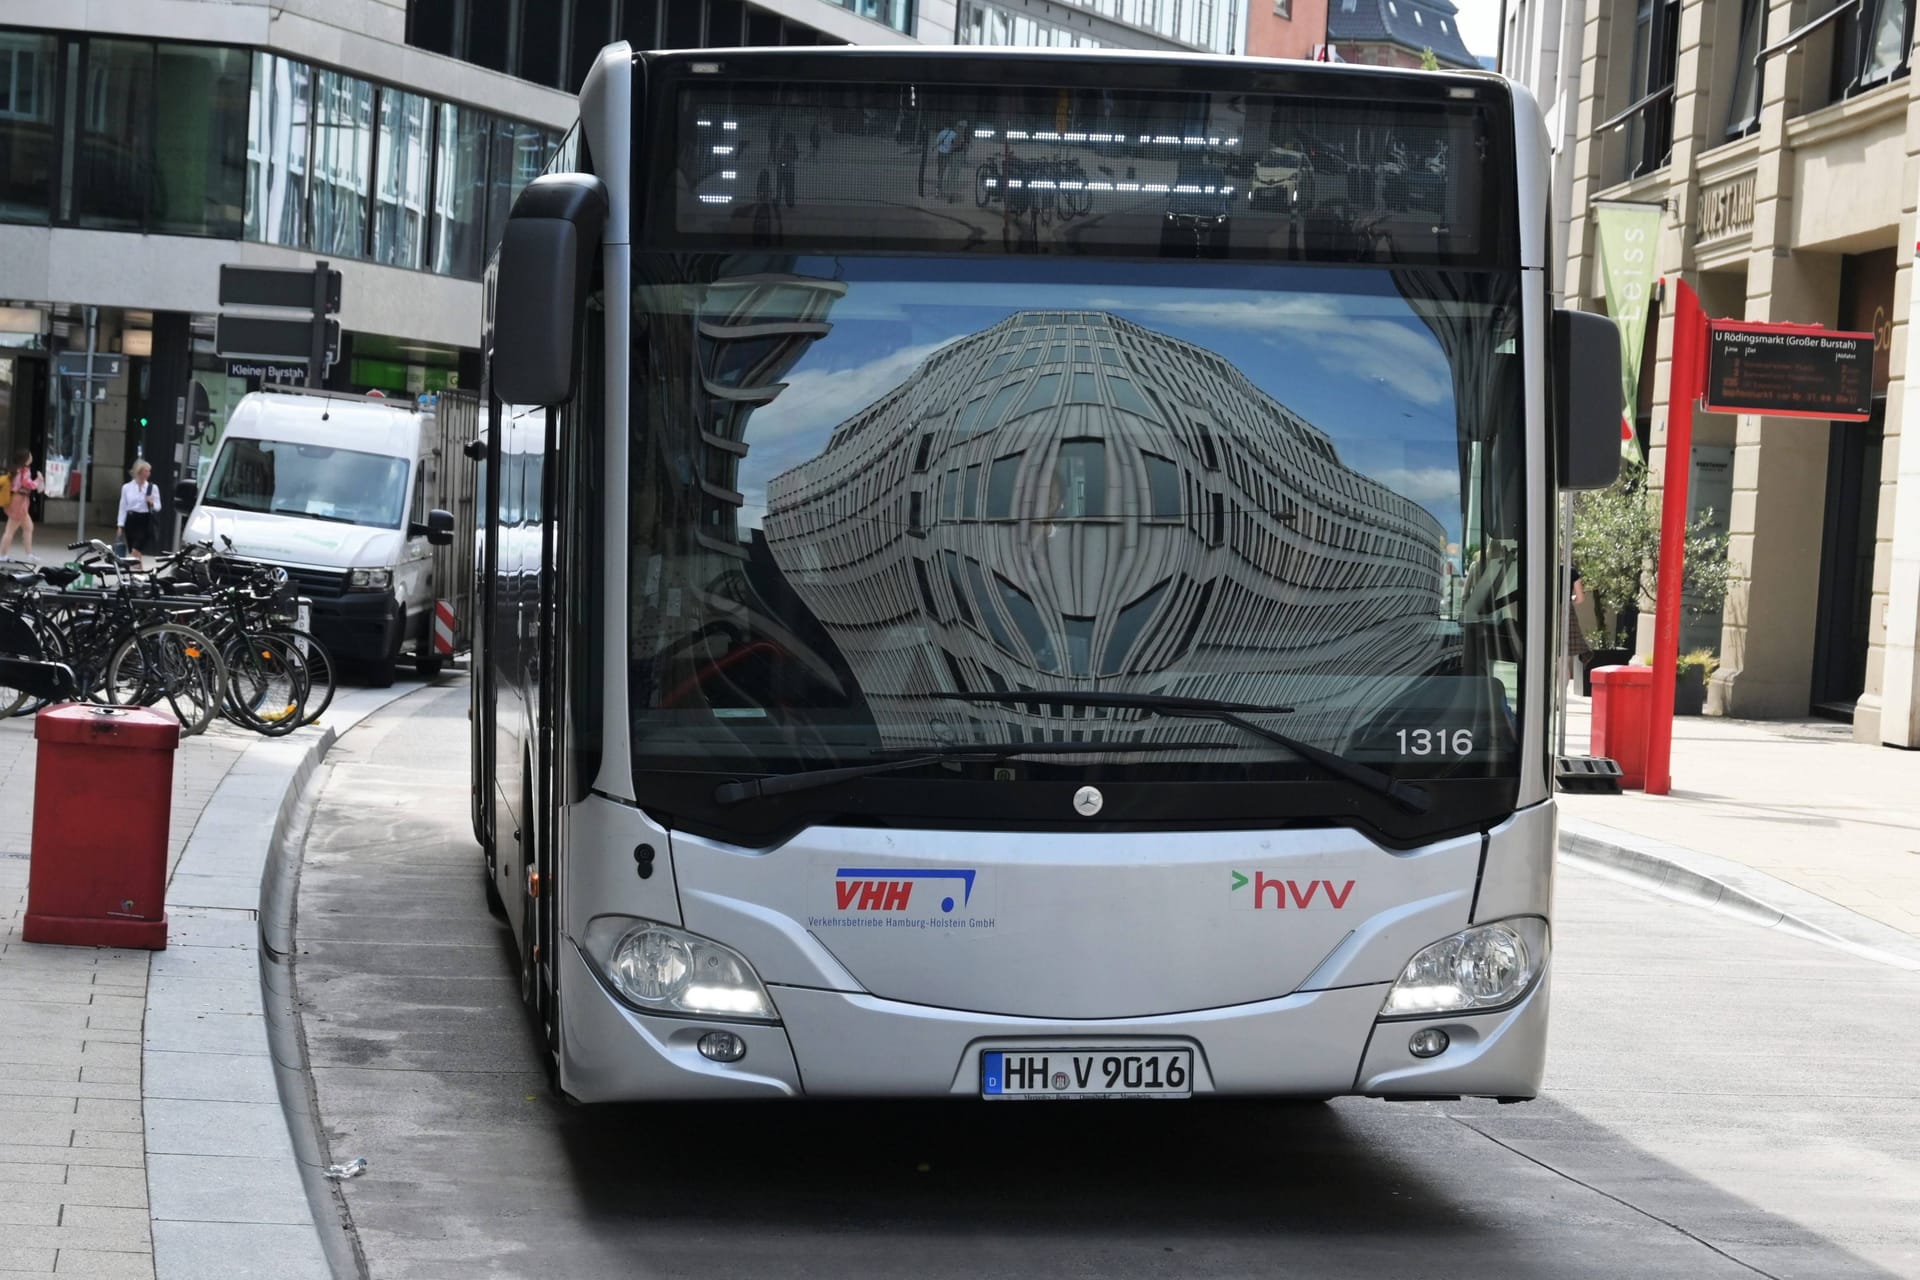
<point x="545" y="257"/>
<point x="1586" y="398"/>
<point x="185" y="494"/>
<point x="438" y="528"/>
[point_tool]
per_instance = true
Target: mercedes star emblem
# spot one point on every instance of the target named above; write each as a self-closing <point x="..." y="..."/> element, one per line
<point x="1087" y="801"/>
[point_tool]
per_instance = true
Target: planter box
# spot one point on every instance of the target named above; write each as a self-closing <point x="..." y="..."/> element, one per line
<point x="1600" y="658"/>
<point x="1690" y="691"/>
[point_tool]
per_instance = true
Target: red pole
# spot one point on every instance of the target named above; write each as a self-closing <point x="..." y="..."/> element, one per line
<point x="1684" y="388"/>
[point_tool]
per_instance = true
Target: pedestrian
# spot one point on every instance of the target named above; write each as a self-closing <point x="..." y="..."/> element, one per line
<point x="787" y="157"/>
<point x="23" y="483"/>
<point x="813" y="136"/>
<point x="945" y="144"/>
<point x="138" y="525"/>
<point x="1577" y="646"/>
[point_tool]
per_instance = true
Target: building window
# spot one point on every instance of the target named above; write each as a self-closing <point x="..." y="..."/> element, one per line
<point x="1080" y="480"/>
<point x="1163" y="487"/>
<point x="1026" y="617"/>
<point x="112" y="170"/>
<point x="342" y="163"/>
<point x="1648" y="119"/>
<point x="26" y="127"/>
<point x="277" y="119"/>
<point x="1872" y="46"/>
<point x="1743" y="108"/>
<point x="459" y="199"/>
<point x="1079" y="646"/>
<point x="400" y="194"/>
<point x="952" y="560"/>
<point x="200" y="140"/>
<point x="1127" y="627"/>
<point x="519" y="153"/>
<point x="1000" y="486"/>
<point x="1283" y="9"/>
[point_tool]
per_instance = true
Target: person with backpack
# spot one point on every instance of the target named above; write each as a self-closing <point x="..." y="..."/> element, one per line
<point x="138" y="524"/>
<point x="17" y="488"/>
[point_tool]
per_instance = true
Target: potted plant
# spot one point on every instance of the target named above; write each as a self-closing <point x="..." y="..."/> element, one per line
<point x="1690" y="674"/>
<point x="1616" y="544"/>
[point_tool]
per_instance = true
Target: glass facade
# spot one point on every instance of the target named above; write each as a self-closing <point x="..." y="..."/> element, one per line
<point x="554" y="42"/>
<point x="199" y="131"/>
<point x="26" y="125"/>
<point x="172" y="138"/>
<point x="1214" y="25"/>
<point x="277" y="150"/>
<point x="400" y="196"/>
<point x="460" y="185"/>
<point x="342" y="159"/>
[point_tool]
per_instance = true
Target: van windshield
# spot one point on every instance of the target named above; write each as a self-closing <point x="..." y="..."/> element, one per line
<point x="317" y="482"/>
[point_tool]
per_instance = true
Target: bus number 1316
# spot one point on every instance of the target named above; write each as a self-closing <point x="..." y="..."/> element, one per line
<point x="1436" y="742"/>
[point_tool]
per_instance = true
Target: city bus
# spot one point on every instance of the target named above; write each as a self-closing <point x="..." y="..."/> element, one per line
<point x="986" y="601"/>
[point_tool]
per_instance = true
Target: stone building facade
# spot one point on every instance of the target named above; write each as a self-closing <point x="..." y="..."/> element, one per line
<point x="1780" y="139"/>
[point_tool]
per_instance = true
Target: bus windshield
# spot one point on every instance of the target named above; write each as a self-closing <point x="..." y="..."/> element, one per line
<point x="865" y="484"/>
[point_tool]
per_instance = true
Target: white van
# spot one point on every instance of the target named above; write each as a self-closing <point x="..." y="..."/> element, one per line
<point x="348" y="494"/>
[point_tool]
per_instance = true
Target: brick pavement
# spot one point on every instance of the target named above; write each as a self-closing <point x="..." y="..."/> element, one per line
<point x="73" y="1170"/>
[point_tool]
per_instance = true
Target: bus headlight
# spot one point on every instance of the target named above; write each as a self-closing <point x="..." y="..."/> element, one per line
<point x="1485" y="967"/>
<point x="660" y="969"/>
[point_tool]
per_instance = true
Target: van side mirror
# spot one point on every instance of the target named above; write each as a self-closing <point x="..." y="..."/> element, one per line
<point x="185" y="494"/>
<point x="1586" y="398"/>
<point x="545" y="257"/>
<point x="438" y="529"/>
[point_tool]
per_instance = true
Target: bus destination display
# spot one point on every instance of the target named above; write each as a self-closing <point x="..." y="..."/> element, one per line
<point x="1789" y="371"/>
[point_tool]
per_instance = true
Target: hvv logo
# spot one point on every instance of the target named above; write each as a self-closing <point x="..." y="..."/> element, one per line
<point x="892" y="889"/>
<point x="1262" y="893"/>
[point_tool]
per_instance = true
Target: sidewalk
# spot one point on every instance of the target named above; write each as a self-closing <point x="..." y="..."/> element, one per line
<point x="1797" y="800"/>
<point x="141" y="1129"/>
<point x="73" y="1180"/>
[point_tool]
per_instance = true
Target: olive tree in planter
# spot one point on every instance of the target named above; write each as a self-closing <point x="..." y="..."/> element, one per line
<point x="1616" y="543"/>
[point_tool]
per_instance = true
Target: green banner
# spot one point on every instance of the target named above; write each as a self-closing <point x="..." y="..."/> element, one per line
<point x="1629" y="235"/>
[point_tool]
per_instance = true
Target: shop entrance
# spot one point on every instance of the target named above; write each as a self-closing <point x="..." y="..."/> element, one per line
<point x="1841" y="634"/>
<point x="1842" y="622"/>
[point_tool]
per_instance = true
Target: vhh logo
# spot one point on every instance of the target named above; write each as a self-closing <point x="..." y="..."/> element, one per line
<point x="873" y="895"/>
<point x="1262" y="892"/>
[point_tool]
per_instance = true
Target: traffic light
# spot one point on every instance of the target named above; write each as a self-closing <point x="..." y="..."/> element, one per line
<point x="143" y="422"/>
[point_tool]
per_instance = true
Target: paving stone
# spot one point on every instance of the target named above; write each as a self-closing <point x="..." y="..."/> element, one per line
<point x="97" y="1264"/>
<point x="236" y="1251"/>
<point x="227" y="1189"/>
<point x="19" y="1257"/>
<point x="216" y="1077"/>
<point x="101" y="1157"/>
<point x="177" y="1126"/>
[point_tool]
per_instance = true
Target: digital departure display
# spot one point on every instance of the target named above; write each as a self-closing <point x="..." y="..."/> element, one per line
<point x="942" y="168"/>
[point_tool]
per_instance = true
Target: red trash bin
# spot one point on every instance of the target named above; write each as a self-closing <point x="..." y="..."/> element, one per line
<point x="102" y="798"/>
<point x="1622" y="706"/>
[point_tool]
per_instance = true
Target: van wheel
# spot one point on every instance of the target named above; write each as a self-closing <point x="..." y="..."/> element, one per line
<point x="380" y="673"/>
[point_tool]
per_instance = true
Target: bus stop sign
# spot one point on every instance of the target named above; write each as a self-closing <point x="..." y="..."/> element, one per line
<point x="1789" y="371"/>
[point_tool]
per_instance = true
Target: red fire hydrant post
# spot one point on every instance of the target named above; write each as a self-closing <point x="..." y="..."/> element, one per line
<point x="102" y="798"/>
<point x="1622" y="708"/>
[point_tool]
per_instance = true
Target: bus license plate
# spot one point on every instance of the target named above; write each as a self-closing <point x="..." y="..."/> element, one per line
<point x="1086" y="1073"/>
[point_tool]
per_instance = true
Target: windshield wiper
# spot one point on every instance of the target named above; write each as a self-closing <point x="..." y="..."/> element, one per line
<point x="313" y="515"/>
<point x="968" y="753"/>
<point x="1411" y="798"/>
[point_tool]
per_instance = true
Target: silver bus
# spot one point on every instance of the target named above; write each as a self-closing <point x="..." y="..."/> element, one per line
<point x="1002" y="587"/>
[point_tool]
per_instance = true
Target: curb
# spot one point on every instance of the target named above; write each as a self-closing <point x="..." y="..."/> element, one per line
<point x="227" y="1155"/>
<point x="1734" y="889"/>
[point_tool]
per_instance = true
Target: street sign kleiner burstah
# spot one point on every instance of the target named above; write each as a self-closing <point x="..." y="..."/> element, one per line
<point x="275" y="287"/>
<point x="314" y="339"/>
<point x="1789" y="371"/>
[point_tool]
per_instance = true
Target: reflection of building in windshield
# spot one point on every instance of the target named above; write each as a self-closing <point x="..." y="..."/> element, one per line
<point x="751" y="330"/>
<point x="1070" y="499"/>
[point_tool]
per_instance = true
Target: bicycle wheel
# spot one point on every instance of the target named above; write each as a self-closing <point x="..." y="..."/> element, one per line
<point x="173" y="662"/>
<point x="266" y="685"/>
<point x="986" y="184"/>
<point x="48" y="646"/>
<point x="320" y="681"/>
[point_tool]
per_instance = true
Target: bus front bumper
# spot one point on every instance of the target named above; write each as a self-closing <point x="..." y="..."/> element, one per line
<point x="852" y="1044"/>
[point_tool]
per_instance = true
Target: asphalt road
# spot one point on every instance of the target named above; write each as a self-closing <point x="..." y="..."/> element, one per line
<point x="1722" y="1100"/>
